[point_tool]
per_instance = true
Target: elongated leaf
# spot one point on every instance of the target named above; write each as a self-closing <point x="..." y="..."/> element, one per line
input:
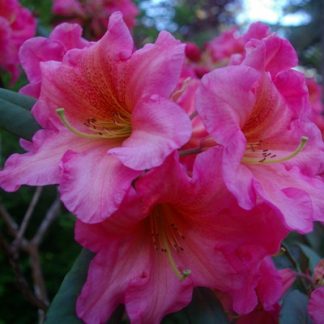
<point x="17" y="120"/>
<point x="312" y="256"/>
<point x="203" y="309"/>
<point x="18" y="99"/>
<point x="294" y="309"/>
<point x="62" y="309"/>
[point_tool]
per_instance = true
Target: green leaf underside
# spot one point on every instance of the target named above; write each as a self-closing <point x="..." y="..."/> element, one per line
<point x="62" y="309"/>
<point x="294" y="309"/>
<point x="17" y="120"/>
<point x="312" y="256"/>
<point x="25" y="102"/>
<point x="203" y="309"/>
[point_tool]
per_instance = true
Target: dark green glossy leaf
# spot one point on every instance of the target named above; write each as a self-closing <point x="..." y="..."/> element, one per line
<point x="294" y="309"/>
<point x="62" y="309"/>
<point x="17" y="120"/>
<point x="311" y="255"/>
<point x="203" y="309"/>
<point x="18" y="99"/>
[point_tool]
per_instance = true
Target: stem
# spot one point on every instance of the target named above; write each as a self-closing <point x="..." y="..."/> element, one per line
<point x="50" y="216"/>
<point x="27" y="217"/>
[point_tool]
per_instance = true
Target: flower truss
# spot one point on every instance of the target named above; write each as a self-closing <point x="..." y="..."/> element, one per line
<point x="92" y="14"/>
<point x="176" y="181"/>
<point x="16" y="25"/>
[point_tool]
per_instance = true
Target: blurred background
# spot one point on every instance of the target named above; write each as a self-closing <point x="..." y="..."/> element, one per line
<point x="196" y="21"/>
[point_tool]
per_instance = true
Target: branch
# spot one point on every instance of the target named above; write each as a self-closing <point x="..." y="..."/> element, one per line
<point x="9" y="221"/>
<point x="27" y="217"/>
<point x="50" y="216"/>
<point x="21" y="281"/>
<point x="37" y="273"/>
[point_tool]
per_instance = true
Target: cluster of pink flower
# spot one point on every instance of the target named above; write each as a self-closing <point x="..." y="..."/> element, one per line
<point x="93" y="14"/>
<point x="177" y="182"/>
<point x="16" y="25"/>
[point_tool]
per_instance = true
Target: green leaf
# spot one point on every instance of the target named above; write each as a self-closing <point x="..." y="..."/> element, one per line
<point x="62" y="309"/>
<point x="17" y="120"/>
<point x="18" y="99"/>
<point x="294" y="309"/>
<point x="311" y="255"/>
<point x="203" y="309"/>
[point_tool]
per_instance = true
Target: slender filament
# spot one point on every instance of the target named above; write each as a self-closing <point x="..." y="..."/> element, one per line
<point x="264" y="160"/>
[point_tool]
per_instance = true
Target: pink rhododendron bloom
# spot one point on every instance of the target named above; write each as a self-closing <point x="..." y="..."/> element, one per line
<point x="226" y="49"/>
<point x="93" y="14"/>
<point x="63" y="38"/>
<point x="106" y="116"/>
<point x="271" y="287"/>
<point x="223" y="46"/>
<point x="315" y="98"/>
<point x="316" y="306"/>
<point x="16" y="25"/>
<point x="288" y="277"/>
<point x="260" y="315"/>
<point x="258" y="112"/>
<point x="170" y="236"/>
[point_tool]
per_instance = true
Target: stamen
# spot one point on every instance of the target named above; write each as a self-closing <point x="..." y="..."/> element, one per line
<point x="266" y="154"/>
<point x="118" y="127"/>
<point x="166" y="238"/>
<point x="181" y="275"/>
<point x="66" y="123"/>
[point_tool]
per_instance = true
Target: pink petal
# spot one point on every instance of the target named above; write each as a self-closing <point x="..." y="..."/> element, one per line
<point x="154" y="69"/>
<point x="155" y="134"/>
<point x="287" y="192"/>
<point x="256" y="30"/>
<point x="272" y="54"/>
<point x="124" y="273"/>
<point x="40" y="166"/>
<point x="291" y="85"/>
<point x="67" y="8"/>
<point x="40" y="49"/>
<point x="269" y="287"/>
<point x="93" y="73"/>
<point x="94" y="184"/>
<point x="316" y="306"/>
<point x="217" y="105"/>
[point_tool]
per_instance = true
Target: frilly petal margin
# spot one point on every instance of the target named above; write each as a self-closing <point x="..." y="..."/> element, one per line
<point x="156" y="133"/>
<point x="39" y="166"/>
<point x="93" y="183"/>
<point x="154" y="69"/>
<point x="130" y="278"/>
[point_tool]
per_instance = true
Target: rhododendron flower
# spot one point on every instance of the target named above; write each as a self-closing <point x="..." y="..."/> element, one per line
<point x="223" y="46"/>
<point x="93" y="14"/>
<point x="258" y="112"/>
<point x="315" y="99"/>
<point x="226" y="49"/>
<point x="260" y="315"/>
<point x="170" y="236"/>
<point x="63" y="38"/>
<point x="106" y="117"/>
<point x="16" y="25"/>
<point x="316" y="306"/>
